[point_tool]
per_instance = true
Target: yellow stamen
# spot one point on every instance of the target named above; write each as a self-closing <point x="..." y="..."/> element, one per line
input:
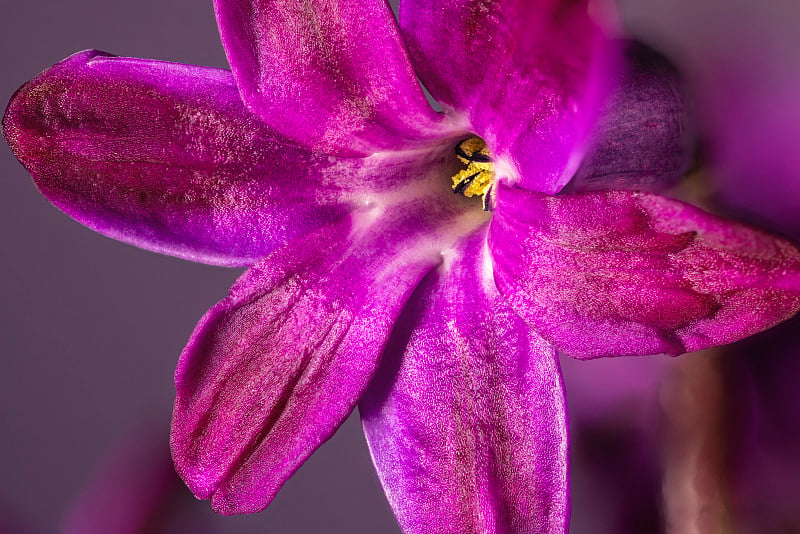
<point x="478" y="176"/>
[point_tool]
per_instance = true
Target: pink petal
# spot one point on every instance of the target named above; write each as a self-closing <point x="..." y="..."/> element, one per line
<point x="466" y="418"/>
<point x="616" y="272"/>
<point x="273" y="369"/>
<point x="642" y="140"/>
<point x="526" y="75"/>
<point x="332" y="74"/>
<point x="166" y="157"/>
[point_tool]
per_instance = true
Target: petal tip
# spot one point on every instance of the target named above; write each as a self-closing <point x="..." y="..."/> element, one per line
<point x="198" y="482"/>
<point x="14" y="123"/>
<point x="226" y="504"/>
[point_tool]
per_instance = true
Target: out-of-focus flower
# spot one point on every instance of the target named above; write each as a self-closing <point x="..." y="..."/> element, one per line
<point x="615" y="438"/>
<point x="745" y="67"/>
<point x="743" y="62"/>
<point x="134" y="490"/>
<point x="763" y="431"/>
<point x="318" y="162"/>
<point x="126" y="491"/>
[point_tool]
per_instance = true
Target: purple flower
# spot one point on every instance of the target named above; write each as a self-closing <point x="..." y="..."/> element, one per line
<point x="317" y="162"/>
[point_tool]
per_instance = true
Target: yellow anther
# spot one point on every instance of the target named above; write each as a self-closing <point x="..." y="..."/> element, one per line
<point x="476" y="181"/>
<point x="478" y="176"/>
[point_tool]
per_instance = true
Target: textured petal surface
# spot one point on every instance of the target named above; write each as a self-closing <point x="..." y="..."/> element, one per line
<point x="617" y="272"/>
<point x="166" y="157"/>
<point x="272" y="370"/>
<point x="332" y="74"/>
<point x="642" y="139"/>
<point x="466" y="417"/>
<point x="525" y="75"/>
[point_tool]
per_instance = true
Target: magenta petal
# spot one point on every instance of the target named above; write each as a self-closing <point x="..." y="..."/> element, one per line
<point x="466" y="418"/>
<point x="527" y="76"/>
<point x="334" y="75"/>
<point x="642" y="140"/>
<point x="166" y="157"/>
<point x="272" y="370"/>
<point x="617" y="272"/>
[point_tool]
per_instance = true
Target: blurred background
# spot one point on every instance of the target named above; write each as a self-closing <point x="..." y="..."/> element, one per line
<point x="91" y="329"/>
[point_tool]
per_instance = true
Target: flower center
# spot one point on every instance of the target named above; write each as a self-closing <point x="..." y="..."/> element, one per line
<point x="477" y="178"/>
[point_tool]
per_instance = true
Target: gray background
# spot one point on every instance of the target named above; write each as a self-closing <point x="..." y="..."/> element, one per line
<point x="91" y="329"/>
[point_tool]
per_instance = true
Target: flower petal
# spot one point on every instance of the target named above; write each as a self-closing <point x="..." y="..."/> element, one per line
<point x="525" y="74"/>
<point x="617" y="272"/>
<point x="166" y="157"/>
<point x="642" y="139"/>
<point x="466" y="418"/>
<point x="272" y="370"/>
<point x="332" y="74"/>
